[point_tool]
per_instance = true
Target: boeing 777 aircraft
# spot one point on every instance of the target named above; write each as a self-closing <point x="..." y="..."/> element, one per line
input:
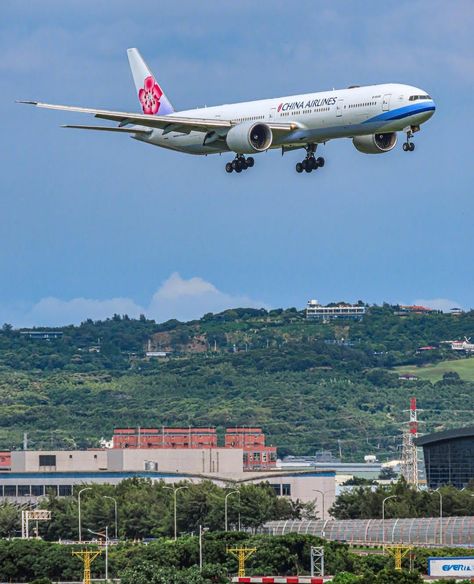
<point x="371" y="116"/>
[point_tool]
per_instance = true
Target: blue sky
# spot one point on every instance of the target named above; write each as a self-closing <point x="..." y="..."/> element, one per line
<point x="92" y="224"/>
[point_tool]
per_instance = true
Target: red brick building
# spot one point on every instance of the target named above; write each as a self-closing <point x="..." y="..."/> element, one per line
<point x="164" y="438"/>
<point x="257" y="456"/>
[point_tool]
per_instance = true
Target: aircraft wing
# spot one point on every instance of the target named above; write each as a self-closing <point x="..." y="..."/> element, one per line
<point x="169" y="123"/>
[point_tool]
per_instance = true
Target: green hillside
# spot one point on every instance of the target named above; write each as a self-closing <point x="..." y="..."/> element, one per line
<point x="434" y="372"/>
<point x="309" y="385"/>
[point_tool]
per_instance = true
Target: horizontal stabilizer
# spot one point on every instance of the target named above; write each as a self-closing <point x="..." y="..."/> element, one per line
<point x="109" y="129"/>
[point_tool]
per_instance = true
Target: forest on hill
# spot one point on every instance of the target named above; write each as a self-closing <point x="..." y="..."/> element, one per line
<point x="309" y="385"/>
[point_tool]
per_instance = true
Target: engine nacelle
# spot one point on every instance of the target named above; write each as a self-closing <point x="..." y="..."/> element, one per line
<point x="375" y="143"/>
<point x="249" y="137"/>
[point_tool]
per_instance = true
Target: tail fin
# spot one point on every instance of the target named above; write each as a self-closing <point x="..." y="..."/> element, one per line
<point x="151" y="96"/>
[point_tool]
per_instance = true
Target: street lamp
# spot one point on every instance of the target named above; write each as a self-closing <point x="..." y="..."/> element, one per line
<point x="106" y="549"/>
<point x="225" y="506"/>
<point x="323" y="498"/>
<point x="383" y="516"/>
<point x="79" y="509"/>
<point x="202" y="530"/>
<point x="175" y="491"/>
<point x="115" y="510"/>
<point x="440" y="515"/>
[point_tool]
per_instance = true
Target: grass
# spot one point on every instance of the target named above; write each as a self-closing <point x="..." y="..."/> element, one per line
<point x="463" y="367"/>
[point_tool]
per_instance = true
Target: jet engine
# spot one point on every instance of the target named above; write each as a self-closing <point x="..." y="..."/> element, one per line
<point x="375" y="143"/>
<point x="249" y="137"/>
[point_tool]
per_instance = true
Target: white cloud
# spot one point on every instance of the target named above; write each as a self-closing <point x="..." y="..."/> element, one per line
<point x="175" y="298"/>
<point x="443" y="304"/>
<point x="190" y="299"/>
<point x="56" y="312"/>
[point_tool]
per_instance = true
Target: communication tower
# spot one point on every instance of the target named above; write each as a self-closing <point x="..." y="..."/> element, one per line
<point x="409" y="450"/>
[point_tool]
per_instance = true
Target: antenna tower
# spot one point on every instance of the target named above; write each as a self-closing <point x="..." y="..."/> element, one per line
<point x="409" y="449"/>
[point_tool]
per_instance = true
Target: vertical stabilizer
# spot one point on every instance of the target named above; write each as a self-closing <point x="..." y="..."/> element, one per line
<point x="150" y="95"/>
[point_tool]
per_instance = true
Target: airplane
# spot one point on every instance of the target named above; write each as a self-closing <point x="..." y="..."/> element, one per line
<point x="369" y="115"/>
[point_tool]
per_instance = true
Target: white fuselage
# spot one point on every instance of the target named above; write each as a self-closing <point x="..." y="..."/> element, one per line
<point x="321" y="116"/>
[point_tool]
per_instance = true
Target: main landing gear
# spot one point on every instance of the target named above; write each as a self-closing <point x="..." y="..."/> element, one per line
<point x="408" y="146"/>
<point x="310" y="163"/>
<point x="239" y="163"/>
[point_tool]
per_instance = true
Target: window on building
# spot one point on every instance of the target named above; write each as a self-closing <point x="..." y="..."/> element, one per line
<point x="51" y="490"/>
<point x="65" y="490"/>
<point x="286" y="490"/>
<point x="9" y="490"/>
<point x="23" y="490"/>
<point x="277" y="489"/>
<point x="1" y="490"/>
<point x="256" y="456"/>
<point x="37" y="490"/>
<point x="47" y="460"/>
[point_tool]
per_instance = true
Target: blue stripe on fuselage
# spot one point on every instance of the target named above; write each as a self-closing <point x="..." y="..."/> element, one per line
<point x="402" y="112"/>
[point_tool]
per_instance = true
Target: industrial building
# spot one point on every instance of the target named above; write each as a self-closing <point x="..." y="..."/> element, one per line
<point x="256" y="455"/>
<point x="449" y="457"/>
<point x="36" y="473"/>
<point x="316" y="311"/>
<point x="167" y="454"/>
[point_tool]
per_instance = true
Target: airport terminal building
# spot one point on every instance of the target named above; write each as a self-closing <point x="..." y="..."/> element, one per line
<point x="449" y="457"/>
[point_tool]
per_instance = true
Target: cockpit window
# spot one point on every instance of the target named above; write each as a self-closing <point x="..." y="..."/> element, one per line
<point x="416" y="97"/>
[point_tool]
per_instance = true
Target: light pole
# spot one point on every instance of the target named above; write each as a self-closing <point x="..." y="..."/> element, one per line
<point x="383" y="517"/>
<point x="202" y="530"/>
<point x="440" y="515"/>
<point x="225" y="506"/>
<point x="175" y="491"/>
<point x="106" y="549"/>
<point x="79" y="509"/>
<point x="322" y="496"/>
<point x="115" y="511"/>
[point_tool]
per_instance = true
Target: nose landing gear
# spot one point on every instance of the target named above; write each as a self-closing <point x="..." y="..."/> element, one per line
<point x="409" y="146"/>
<point x="239" y="164"/>
<point x="310" y="163"/>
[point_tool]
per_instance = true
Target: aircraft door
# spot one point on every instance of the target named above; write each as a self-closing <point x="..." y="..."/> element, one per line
<point x="386" y="102"/>
<point x="339" y="107"/>
<point x="272" y="114"/>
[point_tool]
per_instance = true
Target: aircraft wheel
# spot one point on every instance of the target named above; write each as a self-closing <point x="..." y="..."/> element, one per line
<point x="244" y="164"/>
<point x="321" y="162"/>
<point x="299" y="167"/>
<point x="238" y="166"/>
<point x="229" y="167"/>
<point x="250" y="161"/>
<point x="406" y="146"/>
<point x="412" y="146"/>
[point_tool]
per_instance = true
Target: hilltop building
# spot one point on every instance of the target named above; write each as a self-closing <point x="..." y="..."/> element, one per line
<point x="316" y="311"/>
<point x="42" y="335"/>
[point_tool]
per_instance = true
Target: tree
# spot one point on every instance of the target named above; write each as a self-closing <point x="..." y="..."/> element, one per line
<point x="9" y="520"/>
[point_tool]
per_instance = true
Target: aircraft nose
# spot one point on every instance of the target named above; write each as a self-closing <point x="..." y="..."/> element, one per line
<point x="431" y="111"/>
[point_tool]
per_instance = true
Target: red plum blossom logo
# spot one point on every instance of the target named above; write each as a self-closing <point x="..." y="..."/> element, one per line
<point x="150" y="95"/>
